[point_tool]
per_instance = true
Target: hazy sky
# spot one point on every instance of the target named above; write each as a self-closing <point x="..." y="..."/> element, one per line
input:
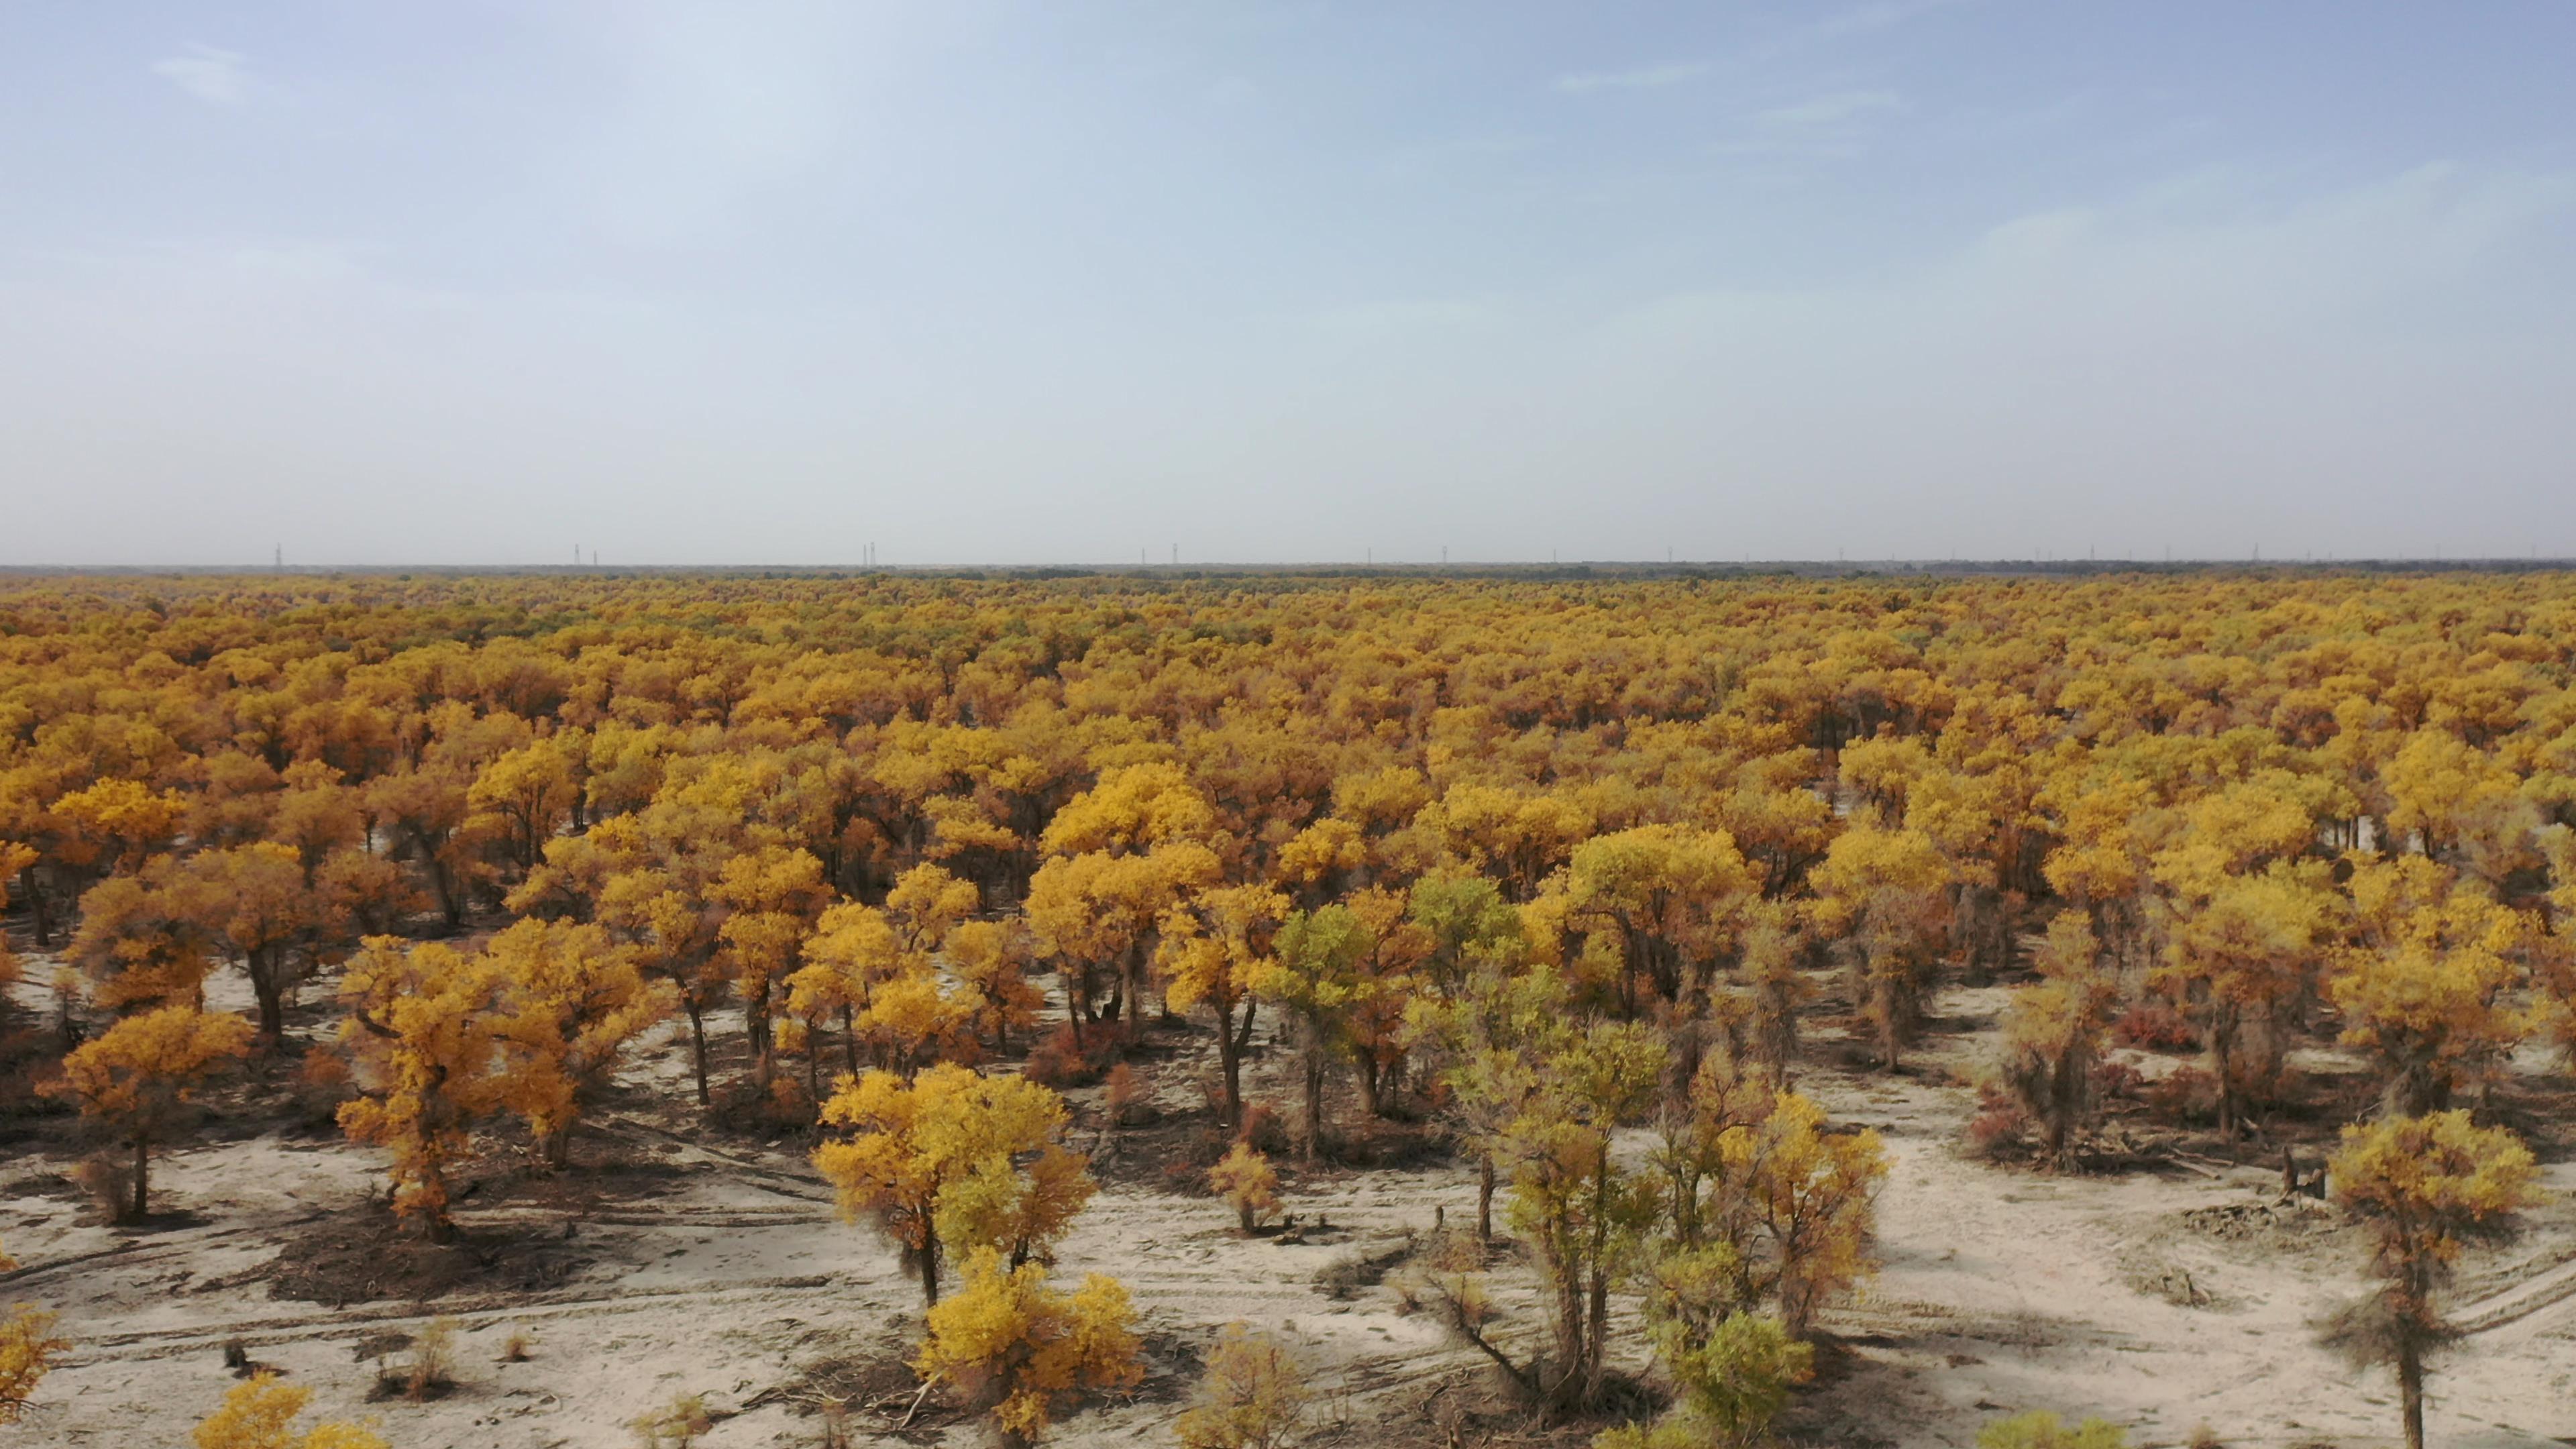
<point x="481" y="280"/>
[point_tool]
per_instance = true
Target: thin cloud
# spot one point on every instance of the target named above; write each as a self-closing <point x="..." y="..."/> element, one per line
<point x="1643" y="78"/>
<point x="1880" y="15"/>
<point x="1836" y="111"/>
<point x="214" y="76"/>
<point x="1835" y="124"/>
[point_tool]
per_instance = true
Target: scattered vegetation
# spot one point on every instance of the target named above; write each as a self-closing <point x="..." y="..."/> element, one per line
<point x="1253" y="1395"/>
<point x="260" y="1413"/>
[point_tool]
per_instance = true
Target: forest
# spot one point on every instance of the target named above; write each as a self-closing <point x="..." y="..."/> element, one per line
<point x="2121" y="1008"/>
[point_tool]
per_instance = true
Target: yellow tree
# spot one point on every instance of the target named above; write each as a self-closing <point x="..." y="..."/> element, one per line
<point x="952" y="1161"/>
<point x="137" y="942"/>
<point x="571" y="1001"/>
<point x="259" y="1413"/>
<point x="1808" y="1192"/>
<point x="926" y="904"/>
<point x="676" y="931"/>
<point x="1245" y="1179"/>
<point x="2236" y="956"/>
<point x="422" y="1040"/>
<point x="1252" y="1396"/>
<point x="2422" y="1186"/>
<point x="2428" y="986"/>
<point x="772" y="897"/>
<point x="1119" y="856"/>
<point x="2053" y="1032"/>
<point x="1213" y="950"/>
<point x="254" y="901"/>
<point x="1373" y="1028"/>
<point x="28" y="1350"/>
<point x="1669" y="896"/>
<point x="1012" y="1345"/>
<point x="521" y="798"/>
<point x="990" y="959"/>
<point x="139" y="1077"/>
<point x="1886" y="893"/>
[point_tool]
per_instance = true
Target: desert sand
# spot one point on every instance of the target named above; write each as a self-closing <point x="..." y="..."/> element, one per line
<point x="676" y="1258"/>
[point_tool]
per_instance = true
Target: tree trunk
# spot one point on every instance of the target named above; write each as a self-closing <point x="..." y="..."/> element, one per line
<point x="1598" y="1327"/>
<point x="850" y="1038"/>
<point x="142" y="1180"/>
<point x="1132" y="1023"/>
<point x="2410" y="1390"/>
<point x="1485" y="1198"/>
<point x="1314" y="1104"/>
<point x="37" y="907"/>
<point x="1229" y="1062"/>
<point x="930" y="1270"/>
<point x="755" y="1027"/>
<point x="272" y="1007"/>
<point x="698" y="1048"/>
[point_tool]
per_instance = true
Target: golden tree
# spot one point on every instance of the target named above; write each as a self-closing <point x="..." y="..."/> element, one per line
<point x="2429" y="987"/>
<point x="772" y="896"/>
<point x="990" y="959"/>
<point x="1252" y="1395"/>
<point x="1009" y="1343"/>
<point x="1247" y="1182"/>
<point x="259" y="1413"/>
<point x="571" y="1000"/>
<point x="2054" y="1030"/>
<point x="952" y="1161"/>
<point x="1120" y="856"/>
<point x="254" y="901"/>
<point x="28" y="1349"/>
<point x="1669" y="896"/>
<point x="423" y="1045"/>
<point x="1213" y="952"/>
<point x="1886" y="892"/>
<point x="1583" y="1212"/>
<point x="2238" y="956"/>
<point x="2422" y="1186"/>
<point x="139" y="1077"/>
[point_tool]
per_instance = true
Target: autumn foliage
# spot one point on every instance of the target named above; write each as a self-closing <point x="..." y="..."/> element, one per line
<point x="1554" y="864"/>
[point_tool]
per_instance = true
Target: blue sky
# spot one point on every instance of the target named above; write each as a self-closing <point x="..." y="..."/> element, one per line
<point x="978" y="282"/>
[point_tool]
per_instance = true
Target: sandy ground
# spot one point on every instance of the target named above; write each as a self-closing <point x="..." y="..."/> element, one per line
<point x="717" y="1266"/>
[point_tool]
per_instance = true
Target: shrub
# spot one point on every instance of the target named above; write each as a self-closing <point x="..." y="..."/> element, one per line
<point x="1129" y="1097"/>
<point x="1262" y="1130"/>
<point x="676" y="1425"/>
<point x="1734" y="1383"/>
<point x="430" y="1366"/>
<point x="514" y="1349"/>
<point x="2185" y="1094"/>
<point x="1065" y="1060"/>
<point x="2000" y="1125"/>
<point x="1009" y="1343"/>
<point x="2155" y="1025"/>
<point x="1253" y="1395"/>
<point x="260" y="1414"/>
<point x="2040" y="1429"/>
<point x="1245" y="1180"/>
<point x="2117" y="1081"/>
<point x="108" y="1179"/>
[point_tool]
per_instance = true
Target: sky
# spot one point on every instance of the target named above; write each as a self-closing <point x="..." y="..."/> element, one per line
<point x="783" y="281"/>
